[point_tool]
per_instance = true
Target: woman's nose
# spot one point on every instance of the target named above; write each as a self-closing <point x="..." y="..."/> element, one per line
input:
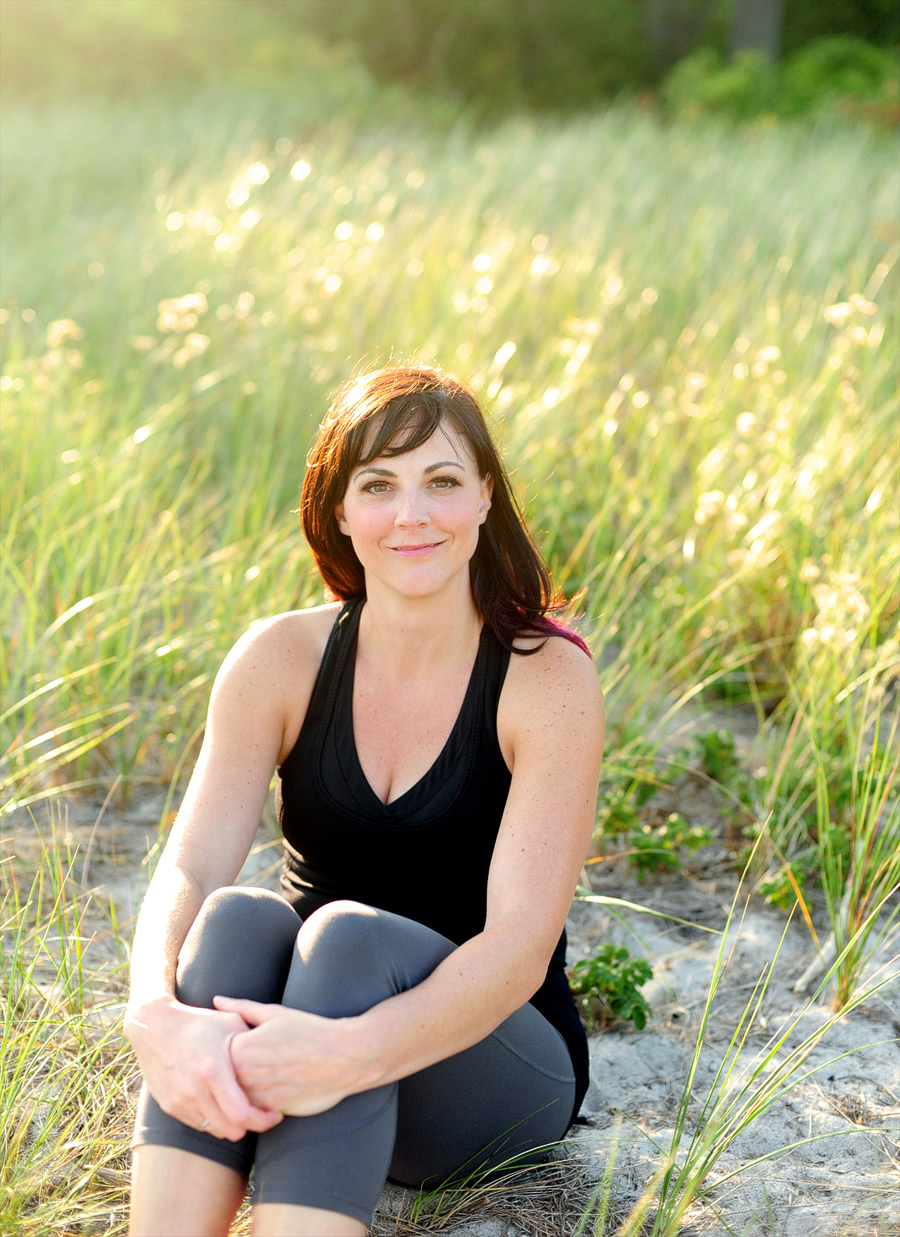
<point x="410" y="509"/>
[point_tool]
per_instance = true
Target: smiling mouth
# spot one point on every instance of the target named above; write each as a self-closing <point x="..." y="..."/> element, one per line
<point x="414" y="551"/>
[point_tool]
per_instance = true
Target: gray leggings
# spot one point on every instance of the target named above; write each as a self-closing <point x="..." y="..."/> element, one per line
<point x="506" y="1095"/>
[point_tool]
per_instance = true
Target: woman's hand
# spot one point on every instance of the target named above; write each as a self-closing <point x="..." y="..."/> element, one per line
<point x="293" y="1062"/>
<point x="184" y="1057"/>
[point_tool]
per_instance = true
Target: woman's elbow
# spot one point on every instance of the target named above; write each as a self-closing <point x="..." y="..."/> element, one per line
<point x="530" y="971"/>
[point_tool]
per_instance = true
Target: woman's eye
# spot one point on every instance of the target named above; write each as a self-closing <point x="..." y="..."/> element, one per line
<point x="445" y="483"/>
<point x="375" y="487"/>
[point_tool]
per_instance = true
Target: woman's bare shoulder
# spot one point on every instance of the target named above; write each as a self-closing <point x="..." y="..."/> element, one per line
<point x="552" y="662"/>
<point x="554" y="689"/>
<point x="296" y="636"/>
<point x="294" y="630"/>
<point x="277" y="660"/>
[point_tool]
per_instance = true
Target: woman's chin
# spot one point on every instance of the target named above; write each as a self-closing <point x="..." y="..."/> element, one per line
<point x="419" y="584"/>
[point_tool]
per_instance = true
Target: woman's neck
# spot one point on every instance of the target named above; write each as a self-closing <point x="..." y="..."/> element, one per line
<point x="410" y="637"/>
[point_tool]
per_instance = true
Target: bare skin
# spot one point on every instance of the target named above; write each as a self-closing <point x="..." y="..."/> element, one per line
<point x="414" y="523"/>
<point x="204" y="1197"/>
<point x="273" y="1220"/>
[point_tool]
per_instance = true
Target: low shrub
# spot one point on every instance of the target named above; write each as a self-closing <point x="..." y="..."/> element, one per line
<point x="840" y="74"/>
<point x="606" y="987"/>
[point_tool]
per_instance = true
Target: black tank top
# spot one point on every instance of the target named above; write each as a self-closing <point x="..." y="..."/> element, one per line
<point x="426" y="855"/>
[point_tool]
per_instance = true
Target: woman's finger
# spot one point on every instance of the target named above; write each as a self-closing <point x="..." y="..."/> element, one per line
<point x="253" y="1012"/>
<point x="236" y="1108"/>
<point x="211" y="1125"/>
<point x="209" y="1121"/>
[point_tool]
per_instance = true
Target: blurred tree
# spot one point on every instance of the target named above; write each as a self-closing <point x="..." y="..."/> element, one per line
<point x="502" y="54"/>
<point x="876" y="21"/>
<point x="756" y="26"/>
<point x="493" y="54"/>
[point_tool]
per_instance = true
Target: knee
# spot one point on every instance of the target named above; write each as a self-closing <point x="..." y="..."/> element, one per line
<point x="340" y="965"/>
<point x="235" y="909"/>
<point x="239" y="945"/>
<point x="342" y="929"/>
<point x="349" y="956"/>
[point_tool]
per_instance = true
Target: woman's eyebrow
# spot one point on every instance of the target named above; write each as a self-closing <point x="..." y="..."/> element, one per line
<point x="386" y="472"/>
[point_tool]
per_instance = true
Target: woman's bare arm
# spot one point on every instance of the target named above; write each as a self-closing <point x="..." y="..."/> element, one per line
<point x="183" y="1051"/>
<point x="552" y="711"/>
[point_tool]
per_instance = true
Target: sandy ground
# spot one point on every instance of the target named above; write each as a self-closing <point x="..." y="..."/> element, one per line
<point x="847" y="1185"/>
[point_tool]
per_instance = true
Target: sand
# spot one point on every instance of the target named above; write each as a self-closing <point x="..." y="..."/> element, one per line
<point x="845" y="1185"/>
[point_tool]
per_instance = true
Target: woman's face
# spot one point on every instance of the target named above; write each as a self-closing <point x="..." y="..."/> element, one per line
<point x="414" y="518"/>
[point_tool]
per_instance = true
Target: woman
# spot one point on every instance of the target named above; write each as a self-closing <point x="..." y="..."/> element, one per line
<point x="438" y="741"/>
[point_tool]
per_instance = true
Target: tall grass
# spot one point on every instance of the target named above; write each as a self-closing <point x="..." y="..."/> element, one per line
<point x="65" y="1074"/>
<point x="746" y="1085"/>
<point x="688" y="344"/>
<point x="687" y="341"/>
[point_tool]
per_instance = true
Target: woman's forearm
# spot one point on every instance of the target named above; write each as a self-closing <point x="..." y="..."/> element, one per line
<point x="464" y="999"/>
<point x="169" y="908"/>
<point x="183" y="1051"/>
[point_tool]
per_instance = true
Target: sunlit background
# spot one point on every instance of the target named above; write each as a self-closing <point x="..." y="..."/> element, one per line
<point x="660" y="239"/>
<point x="677" y="301"/>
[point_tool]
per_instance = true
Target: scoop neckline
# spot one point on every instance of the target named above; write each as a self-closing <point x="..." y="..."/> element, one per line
<point x="401" y="804"/>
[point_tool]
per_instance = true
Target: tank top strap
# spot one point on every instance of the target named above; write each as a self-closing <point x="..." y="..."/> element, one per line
<point x="496" y="665"/>
<point x="333" y="668"/>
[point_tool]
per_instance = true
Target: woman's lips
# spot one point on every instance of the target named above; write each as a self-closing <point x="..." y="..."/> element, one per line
<point x="415" y="551"/>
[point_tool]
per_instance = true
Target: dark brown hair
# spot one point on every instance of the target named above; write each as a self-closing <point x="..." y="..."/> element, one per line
<point x="394" y="410"/>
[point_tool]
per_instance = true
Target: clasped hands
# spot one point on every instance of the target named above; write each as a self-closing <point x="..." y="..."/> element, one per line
<point x="288" y="1061"/>
<point x="243" y="1065"/>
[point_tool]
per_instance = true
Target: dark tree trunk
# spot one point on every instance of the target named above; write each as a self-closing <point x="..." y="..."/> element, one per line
<point x="756" y="26"/>
<point x="672" y="29"/>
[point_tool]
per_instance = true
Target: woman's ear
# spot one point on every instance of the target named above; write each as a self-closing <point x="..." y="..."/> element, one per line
<point x="341" y="521"/>
<point x="487" y="489"/>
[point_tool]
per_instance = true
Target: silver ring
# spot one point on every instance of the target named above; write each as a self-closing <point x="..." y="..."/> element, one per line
<point x="203" y="1124"/>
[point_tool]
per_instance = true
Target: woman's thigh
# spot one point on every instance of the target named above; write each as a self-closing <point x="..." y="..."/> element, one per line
<point x="505" y="1096"/>
<point x="508" y="1094"/>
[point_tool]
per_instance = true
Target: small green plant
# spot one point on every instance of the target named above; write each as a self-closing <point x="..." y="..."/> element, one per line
<point x="607" y="987"/>
<point x="779" y="888"/>
<point x="654" y="848"/>
<point x="717" y="755"/>
<point x="648" y="847"/>
<point x="632" y="787"/>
